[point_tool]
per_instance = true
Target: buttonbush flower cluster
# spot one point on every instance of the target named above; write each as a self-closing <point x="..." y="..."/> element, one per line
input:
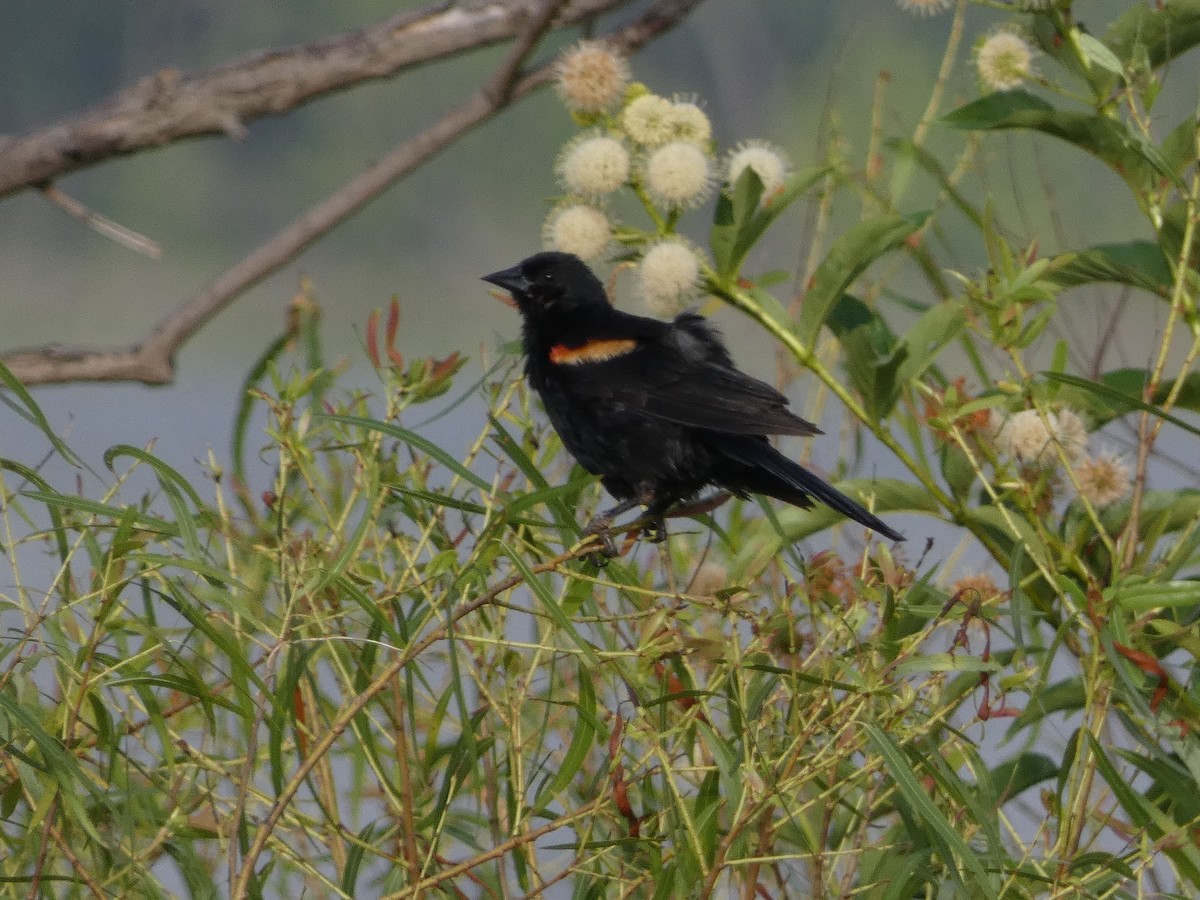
<point x="1031" y="439"/>
<point x="659" y="149"/>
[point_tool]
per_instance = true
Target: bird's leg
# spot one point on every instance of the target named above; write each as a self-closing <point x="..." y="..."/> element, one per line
<point x="601" y="524"/>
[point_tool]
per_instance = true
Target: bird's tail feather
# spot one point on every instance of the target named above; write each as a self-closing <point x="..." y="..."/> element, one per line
<point x="764" y="470"/>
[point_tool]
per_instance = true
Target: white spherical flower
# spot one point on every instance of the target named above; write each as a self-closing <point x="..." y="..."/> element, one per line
<point x="688" y="122"/>
<point x="647" y="120"/>
<point x="677" y="174"/>
<point x="667" y="277"/>
<point x="1004" y="60"/>
<point x="1026" y="438"/>
<point x="765" y="160"/>
<point x="1103" y="478"/>
<point x="591" y="78"/>
<point x="578" y="228"/>
<point x="594" y="165"/>
<point x="925" y="7"/>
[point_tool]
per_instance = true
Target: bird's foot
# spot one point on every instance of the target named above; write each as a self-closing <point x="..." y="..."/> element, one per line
<point x="601" y="527"/>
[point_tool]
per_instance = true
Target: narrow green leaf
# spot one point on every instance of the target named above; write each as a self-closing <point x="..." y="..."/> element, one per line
<point x="142" y="521"/>
<point x="1122" y="399"/>
<point x="174" y="486"/>
<point x="1140" y="597"/>
<point x="56" y="522"/>
<point x="1145" y="814"/>
<point x="930" y="163"/>
<point x="28" y="410"/>
<point x="708" y="804"/>
<point x="952" y="846"/>
<point x="241" y="419"/>
<point x="413" y="440"/>
<point x="354" y="859"/>
<point x="764" y="210"/>
<point x="557" y="616"/>
<point x="945" y="662"/>
<point x="582" y="739"/>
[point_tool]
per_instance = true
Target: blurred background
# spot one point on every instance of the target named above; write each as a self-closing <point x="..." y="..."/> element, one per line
<point x="796" y="72"/>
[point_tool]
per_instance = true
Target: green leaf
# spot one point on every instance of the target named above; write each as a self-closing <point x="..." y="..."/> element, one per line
<point x="742" y="217"/>
<point x="1164" y="30"/>
<point x="946" y="662"/>
<point x="708" y="804"/>
<point x="142" y="521"/>
<point x="28" y="410"/>
<point x="1179" y="147"/>
<point x="564" y="516"/>
<point x="938" y="327"/>
<point x="1019" y="774"/>
<point x="1146" y="595"/>
<point x="1146" y="815"/>
<point x="1139" y="264"/>
<point x="996" y="110"/>
<point x="1066" y="695"/>
<point x="174" y="485"/>
<point x="849" y="257"/>
<point x="555" y="611"/>
<point x="1107" y="139"/>
<point x="582" y="738"/>
<point x="950" y="843"/>
<point x="873" y="356"/>
<point x="248" y="399"/>
<point x="1097" y="54"/>
<point x="56" y="521"/>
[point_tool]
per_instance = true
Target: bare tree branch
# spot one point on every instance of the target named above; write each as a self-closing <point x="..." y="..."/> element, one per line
<point x="152" y="361"/>
<point x="171" y="105"/>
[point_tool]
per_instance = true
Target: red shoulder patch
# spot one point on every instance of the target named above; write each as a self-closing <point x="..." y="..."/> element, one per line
<point x="591" y="352"/>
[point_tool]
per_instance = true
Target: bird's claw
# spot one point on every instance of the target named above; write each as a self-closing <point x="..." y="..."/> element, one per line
<point x="600" y="527"/>
<point x="655" y="531"/>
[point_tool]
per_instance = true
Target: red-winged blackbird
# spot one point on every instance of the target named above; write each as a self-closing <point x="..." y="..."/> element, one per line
<point x="656" y="409"/>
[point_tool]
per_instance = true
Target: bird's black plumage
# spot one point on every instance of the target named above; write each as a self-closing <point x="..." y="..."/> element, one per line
<point x="656" y="409"/>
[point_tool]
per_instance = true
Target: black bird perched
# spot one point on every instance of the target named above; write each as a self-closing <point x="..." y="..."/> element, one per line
<point x="656" y="409"/>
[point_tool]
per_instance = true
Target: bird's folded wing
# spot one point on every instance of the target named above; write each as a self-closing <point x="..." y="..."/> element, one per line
<point x="723" y="400"/>
<point x="698" y="394"/>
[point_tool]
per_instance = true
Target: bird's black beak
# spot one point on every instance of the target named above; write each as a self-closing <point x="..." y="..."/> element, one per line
<point x="512" y="280"/>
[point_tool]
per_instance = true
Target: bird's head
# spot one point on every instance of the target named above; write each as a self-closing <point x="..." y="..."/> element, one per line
<point x="551" y="283"/>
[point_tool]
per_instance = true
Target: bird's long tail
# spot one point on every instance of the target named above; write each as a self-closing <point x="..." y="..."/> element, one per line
<point x="758" y="468"/>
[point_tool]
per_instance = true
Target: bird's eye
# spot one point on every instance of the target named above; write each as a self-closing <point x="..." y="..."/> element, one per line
<point x="547" y="276"/>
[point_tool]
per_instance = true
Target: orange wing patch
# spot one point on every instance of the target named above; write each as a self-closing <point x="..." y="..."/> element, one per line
<point x="591" y="352"/>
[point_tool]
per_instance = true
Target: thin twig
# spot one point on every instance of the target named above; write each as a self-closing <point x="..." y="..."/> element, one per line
<point x="102" y="224"/>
